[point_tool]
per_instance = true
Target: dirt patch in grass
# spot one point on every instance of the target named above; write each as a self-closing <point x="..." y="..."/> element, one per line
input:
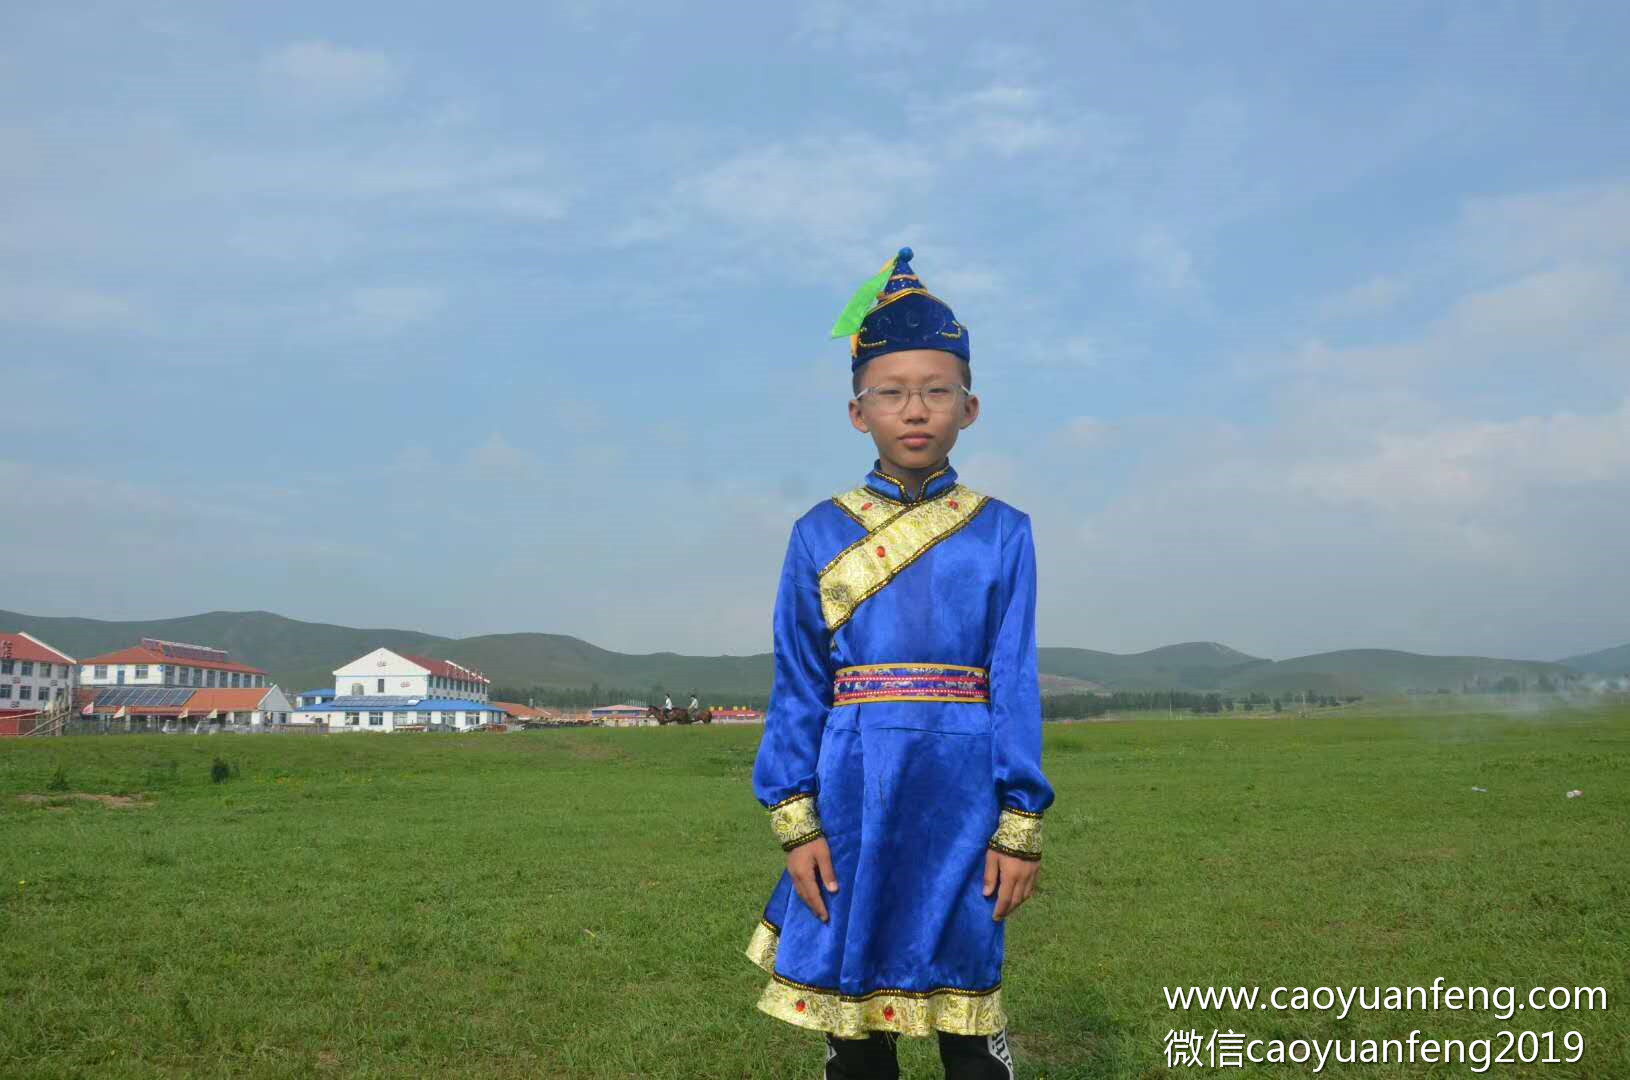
<point x="62" y="800"/>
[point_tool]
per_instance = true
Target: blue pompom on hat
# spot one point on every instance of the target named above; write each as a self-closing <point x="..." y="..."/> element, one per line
<point x="900" y="314"/>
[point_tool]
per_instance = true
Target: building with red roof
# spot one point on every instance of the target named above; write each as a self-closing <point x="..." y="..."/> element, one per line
<point x="167" y="706"/>
<point x="33" y="674"/>
<point x="387" y="673"/>
<point x="170" y="663"/>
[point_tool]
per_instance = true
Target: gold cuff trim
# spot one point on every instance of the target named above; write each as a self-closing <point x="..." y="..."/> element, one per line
<point x="761" y="948"/>
<point x="917" y="1013"/>
<point x="1018" y="833"/>
<point x="795" y="821"/>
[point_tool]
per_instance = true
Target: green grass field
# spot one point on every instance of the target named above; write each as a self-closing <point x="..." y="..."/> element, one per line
<point x="575" y="903"/>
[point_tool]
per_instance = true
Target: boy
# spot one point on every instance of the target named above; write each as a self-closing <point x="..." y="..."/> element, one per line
<point x="901" y="757"/>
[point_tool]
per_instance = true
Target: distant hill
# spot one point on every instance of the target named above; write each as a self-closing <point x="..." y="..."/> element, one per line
<point x="303" y="655"/>
<point x="300" y="655"/>
<point x="1193" y="665"/>
<point x="1614" y="661"/>
<point x="1388" y="671"/>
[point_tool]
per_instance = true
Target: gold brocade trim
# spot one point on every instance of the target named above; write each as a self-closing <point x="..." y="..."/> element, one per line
<point x="795" y="821"/>
<point x="763" y="944"/>
<point x="870" y="563"/>
<point x="868" y="509"/>
<point x="910" y="1012"/>
<point x="948" y="1009"/>
<point x="959" y="331"/>
<point x="1018" y="833"/>
<point x="914" y="667"/>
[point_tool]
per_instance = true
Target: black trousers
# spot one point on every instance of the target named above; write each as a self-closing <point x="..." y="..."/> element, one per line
<point x="965" y="1057"/>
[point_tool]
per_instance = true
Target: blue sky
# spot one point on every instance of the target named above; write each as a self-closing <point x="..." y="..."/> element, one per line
<point x="1297" y="327"/>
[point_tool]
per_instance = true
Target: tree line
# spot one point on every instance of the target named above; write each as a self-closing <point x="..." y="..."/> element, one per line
<point x="584" y="698"/>
<point x="1080" y="706"/>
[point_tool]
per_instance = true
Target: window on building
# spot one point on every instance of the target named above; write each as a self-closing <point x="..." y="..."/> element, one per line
<point x="472" y="718"/>
<point x="5" y="690"/>
<point x="356" y="689"/>
<point x="25" y="693"/>
<point x="424" y="718"/>
<point x="376" y="719"/>
<point x="209" y="677"/>
<point x="141" y="671"/>
<point x="381" y="688"/>
<point x="237" y="681"/>
<point x="6" y="666"/>
<point x="45" y="693"/>
<point x="352" y="718"/>
<point x="26" y="667"/>
<point x="101" y="671"/>
<point x="450" y="718"/>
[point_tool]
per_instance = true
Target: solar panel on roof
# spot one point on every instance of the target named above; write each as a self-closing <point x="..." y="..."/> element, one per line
<point x="377" y="701"/>
<point x="119" y="697"/>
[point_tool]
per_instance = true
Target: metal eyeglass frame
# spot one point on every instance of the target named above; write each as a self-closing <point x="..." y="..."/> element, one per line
<point x="918" y="392"/>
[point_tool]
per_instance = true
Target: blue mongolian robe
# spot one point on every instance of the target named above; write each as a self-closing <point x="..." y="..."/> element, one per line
<point x="904" y="728"/>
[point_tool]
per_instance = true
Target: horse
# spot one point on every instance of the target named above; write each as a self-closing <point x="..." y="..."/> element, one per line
<point x="679" y="715"/>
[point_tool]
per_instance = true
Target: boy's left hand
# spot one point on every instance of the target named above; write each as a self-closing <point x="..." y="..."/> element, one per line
<point x="1016" y="879"/>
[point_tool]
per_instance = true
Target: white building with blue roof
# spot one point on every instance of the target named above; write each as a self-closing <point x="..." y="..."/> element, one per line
<point x="389" y="691"/>
<point x="383" y="712"/>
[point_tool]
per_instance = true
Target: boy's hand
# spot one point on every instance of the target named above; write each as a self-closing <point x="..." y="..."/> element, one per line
<point x="1015" y="877"/>
<point x="804" y="863"/>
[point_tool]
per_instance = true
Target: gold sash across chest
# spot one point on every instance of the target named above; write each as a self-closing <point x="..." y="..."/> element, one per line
<point x="897" y="535"/>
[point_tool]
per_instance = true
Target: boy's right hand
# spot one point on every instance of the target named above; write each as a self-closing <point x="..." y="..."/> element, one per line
<point x="811" y="866"/>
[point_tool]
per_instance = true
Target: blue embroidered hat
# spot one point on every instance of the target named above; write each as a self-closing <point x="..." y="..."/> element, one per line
<point x="896" y="313"/>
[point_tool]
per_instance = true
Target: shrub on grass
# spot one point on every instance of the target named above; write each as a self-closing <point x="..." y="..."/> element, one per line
<point x="59" y="780"/>
<point x="219" y="770"/>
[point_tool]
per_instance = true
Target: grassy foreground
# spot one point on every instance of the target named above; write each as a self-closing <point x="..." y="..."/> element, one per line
<point x="574" y="903"/>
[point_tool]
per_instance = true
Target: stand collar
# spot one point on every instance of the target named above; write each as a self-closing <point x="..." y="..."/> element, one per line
<point x="938" y="482"/>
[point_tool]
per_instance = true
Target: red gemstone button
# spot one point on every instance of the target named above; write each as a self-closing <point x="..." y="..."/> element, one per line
<point x="888" y="1012"/>
<point x="953" y="504"/>
<point x="865" y="506"/>
<point x="881" y="552"/>
<point x="799" y="1004"/>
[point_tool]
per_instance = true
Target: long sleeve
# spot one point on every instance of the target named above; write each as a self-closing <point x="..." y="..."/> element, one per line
<point x="784" y="778"/>
<point x="1022" y="790"/>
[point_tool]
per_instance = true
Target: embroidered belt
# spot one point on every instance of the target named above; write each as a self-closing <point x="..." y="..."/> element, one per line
<point x="910" y="682"/>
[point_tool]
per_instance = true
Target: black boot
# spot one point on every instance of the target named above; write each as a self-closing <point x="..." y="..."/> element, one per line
<point x="976" y="1057"/>
<point x="871" y="1058"/>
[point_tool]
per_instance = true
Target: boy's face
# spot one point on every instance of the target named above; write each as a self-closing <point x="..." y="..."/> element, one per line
<point x="917" y="437"/>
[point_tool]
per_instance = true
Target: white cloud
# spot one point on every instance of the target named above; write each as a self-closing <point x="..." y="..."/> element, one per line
<point x="387" y="308"/>
<point x="1515" y="231"/>
<point x="323" y="73"/>
<point x="1372" y="297"/>
<point x="836" y="201"/>
<point x="1458" y="537"/>
<point x="1484" y="466"/>
<point x="1167" y="263"/>
<point x="1086" y="431"/>
<point x="1556" y="318"/>
<point x="1009" y="118"/>
<point x="67" y="307"/>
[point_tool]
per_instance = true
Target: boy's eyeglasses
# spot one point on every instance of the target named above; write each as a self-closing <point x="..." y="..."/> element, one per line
<point x="937" y="397"/>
